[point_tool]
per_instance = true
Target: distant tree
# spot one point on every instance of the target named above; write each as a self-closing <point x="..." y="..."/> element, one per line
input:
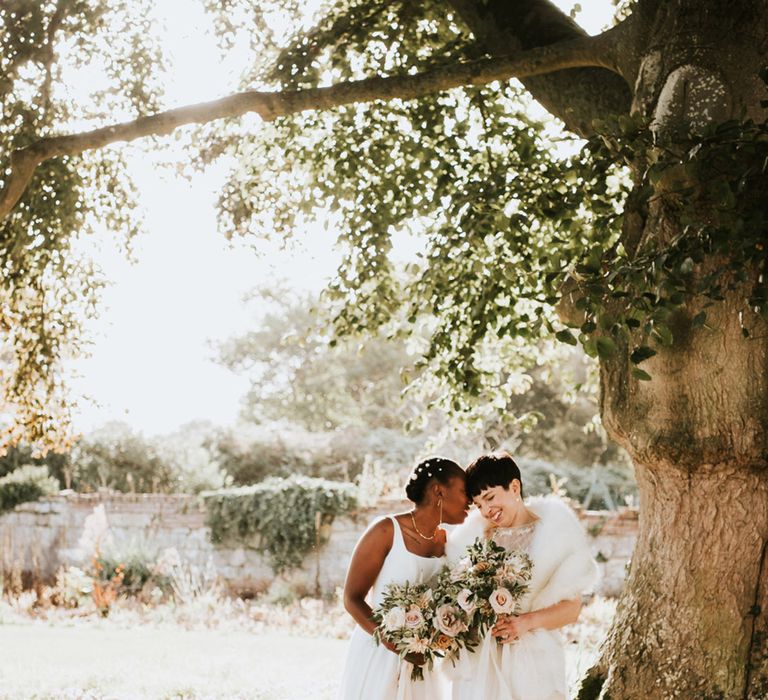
<point x="116" y="457"/>
<point x="297" y="375"/>
<point x="21" y="454"/>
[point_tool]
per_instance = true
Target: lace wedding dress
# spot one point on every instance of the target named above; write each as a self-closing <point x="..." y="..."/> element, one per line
<point x="532" y="668"/>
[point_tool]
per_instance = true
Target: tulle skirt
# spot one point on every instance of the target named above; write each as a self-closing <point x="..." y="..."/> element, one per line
<point x="372" y="672"/>
<point x="532" y="668"/>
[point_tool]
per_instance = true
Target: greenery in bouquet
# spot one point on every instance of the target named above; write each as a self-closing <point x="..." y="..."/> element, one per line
<point x="486" y="582"/>
<point x="406" y="619"/>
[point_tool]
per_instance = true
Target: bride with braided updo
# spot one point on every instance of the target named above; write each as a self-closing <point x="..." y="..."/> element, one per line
<point x="407" y="546"/>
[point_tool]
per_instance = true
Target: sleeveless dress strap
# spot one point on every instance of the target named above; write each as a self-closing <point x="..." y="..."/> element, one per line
<point x="397" y="537"/>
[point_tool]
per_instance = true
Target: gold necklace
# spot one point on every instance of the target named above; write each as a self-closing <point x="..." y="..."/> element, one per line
<point x="419" y="532"/>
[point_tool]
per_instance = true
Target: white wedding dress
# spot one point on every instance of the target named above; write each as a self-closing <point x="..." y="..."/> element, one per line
<point x="372" y="672"/>
<point x="532" y="668"/>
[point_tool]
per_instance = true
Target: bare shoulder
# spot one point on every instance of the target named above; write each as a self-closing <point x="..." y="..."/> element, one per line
<point x="379" y="534"/>
<point x="383" y="527"/>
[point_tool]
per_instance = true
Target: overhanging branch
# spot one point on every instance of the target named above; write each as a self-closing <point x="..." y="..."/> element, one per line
<point x="576" y="97"/>
<point x="577" y="53"/>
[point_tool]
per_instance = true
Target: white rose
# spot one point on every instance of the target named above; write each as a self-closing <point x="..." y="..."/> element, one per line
<point x="514" y="565"/>
<point x="425" y="598"/>
<point x="501" y="601"/>
<point x="417" y="645"/>
<point x="448" y="620"/>
<point x="394" y="619"/>
<point x="465" y="602"/>
<point x="461" y="567"/>
<point x="413" y="618"/>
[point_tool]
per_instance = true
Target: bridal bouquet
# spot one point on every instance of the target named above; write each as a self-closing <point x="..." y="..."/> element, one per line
<point x="488" y="581"/>
<point x="406" y="619"/>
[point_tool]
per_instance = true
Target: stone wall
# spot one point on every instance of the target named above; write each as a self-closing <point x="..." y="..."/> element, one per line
<point x="38" y="538"/>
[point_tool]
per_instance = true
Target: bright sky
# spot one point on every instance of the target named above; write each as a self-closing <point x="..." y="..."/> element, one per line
<point x="151" y="362"/>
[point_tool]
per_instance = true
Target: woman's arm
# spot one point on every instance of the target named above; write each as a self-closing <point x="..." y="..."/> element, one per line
<point x="364" y="568"/>
<point x="509" y="628"/>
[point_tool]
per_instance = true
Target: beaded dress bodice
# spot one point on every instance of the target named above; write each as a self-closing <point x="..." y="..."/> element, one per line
<point x="518" y="537"/>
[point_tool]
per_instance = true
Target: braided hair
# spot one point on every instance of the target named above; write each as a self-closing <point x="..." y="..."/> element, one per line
<point x="438" y="468"/>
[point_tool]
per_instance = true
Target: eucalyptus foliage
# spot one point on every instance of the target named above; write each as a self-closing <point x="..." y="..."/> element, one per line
<point x="278" y="517"/>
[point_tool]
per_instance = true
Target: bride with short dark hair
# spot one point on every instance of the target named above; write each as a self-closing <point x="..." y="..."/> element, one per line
<point x="522" y="656"/>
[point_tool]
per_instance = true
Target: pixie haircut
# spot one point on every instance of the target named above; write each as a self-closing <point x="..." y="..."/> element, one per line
<point x="495" y="469"/>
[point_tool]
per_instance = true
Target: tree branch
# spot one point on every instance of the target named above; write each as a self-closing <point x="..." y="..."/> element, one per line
<point x="576" y="97"/>
<point x="585" y="51"/>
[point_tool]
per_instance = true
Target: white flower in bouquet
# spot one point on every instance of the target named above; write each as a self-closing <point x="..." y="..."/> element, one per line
<point x="417" y="645"/>
<point x="502" y="601"/>
<point x="465" y="601"/>
<point x="394" y="619"/>
<point x="461" y="567"/>
<point x="414" y="617"/>
<point x="425" y="598"/>
<point x="517" y="565"/>
<point x="448" y="620"/>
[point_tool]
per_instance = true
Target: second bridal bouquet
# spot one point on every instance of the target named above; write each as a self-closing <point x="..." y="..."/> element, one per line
<point x="406" y="619"/>
<point x="454" y="613"/>
<point x="488" y="581"/>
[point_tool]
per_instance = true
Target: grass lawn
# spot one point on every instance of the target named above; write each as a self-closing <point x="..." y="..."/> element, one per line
<point x="89" y="662"/>
<point x="214" y="649"/>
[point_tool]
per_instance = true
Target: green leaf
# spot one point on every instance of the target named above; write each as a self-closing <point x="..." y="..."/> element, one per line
<point x="641" y="353"/>
<point x="606" y="348"/>
<point x="640" y="374"/>
<point x="663" y="334"/>
<point x="565" y="336"/>
<point x="699" y="319"/>
<point x="589" y="345"/>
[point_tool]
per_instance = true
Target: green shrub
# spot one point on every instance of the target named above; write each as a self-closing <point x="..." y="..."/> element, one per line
<point x="278" y="516"/>
<point x="618" y="479"/>
<point x="22" y="454"/>
<point x="137" y="564"/>
<point x="27" y="483"/>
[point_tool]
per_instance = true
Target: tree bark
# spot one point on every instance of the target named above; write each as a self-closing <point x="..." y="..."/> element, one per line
<point x="693" y="619"/>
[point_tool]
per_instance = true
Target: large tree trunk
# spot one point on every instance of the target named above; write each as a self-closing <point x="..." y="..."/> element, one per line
<point x="693" y="619"/>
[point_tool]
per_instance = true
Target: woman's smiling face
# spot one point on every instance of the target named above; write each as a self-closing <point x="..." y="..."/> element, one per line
<point x="499" y="505"/>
